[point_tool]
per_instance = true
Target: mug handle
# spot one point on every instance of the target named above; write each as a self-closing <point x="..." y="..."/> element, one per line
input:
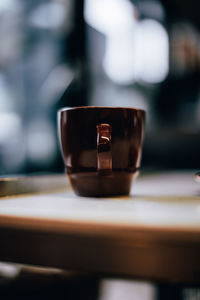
<point x="104" y="153"/>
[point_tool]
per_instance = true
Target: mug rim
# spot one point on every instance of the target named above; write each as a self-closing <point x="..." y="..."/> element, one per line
<point x="104" y="107"/>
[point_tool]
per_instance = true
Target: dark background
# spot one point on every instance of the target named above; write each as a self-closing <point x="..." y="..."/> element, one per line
<point x="60" y="53"/>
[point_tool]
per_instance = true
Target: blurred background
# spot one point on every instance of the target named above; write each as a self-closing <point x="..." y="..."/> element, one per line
<point x="136" y="53"/>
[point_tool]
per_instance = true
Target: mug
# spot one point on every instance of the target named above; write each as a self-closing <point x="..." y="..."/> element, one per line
<point x="101" y="148"/>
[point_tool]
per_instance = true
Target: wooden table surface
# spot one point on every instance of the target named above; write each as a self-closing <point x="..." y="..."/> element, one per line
<point x="153" y="234"/>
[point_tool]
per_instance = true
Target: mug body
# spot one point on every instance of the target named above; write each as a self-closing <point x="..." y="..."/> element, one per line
<point x="101" y="148"/>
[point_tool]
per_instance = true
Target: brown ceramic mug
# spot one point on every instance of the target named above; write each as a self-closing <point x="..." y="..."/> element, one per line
<point x="101" y="148"/>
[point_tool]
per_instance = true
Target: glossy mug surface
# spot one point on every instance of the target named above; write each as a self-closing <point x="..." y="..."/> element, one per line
<point x="101" y="148"/>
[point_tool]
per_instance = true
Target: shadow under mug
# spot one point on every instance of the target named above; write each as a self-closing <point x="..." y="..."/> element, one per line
<point x="101" y="148"/>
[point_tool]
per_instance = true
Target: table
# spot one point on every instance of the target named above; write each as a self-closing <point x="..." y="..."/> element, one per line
<point x="153" y="234"/>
